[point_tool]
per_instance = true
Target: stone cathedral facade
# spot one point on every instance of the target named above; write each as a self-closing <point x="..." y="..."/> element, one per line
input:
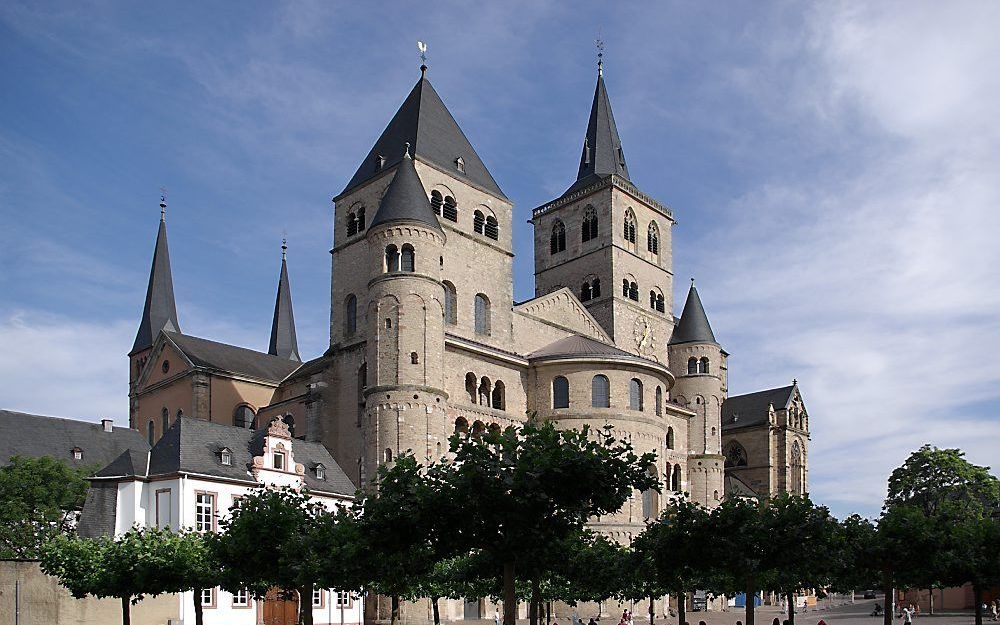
<point x="426" y="338"/>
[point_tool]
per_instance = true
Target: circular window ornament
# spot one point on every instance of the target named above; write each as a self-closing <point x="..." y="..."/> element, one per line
<point x="165" y="366"/>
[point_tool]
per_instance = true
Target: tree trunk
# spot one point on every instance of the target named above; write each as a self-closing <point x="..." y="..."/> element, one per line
<point x="434" y="607"/>
<point x="199" y="613"/>
<point x="306" y="605"/>
<point x="536" y="602"/>
<point x="126" y="611"/>
<point x="791" y="608"/>
<point x="930" y="601"/>
<point x="652" y="611"/>
<point x="888" y="600"/>
<point x="395" y="609"/>
<point x="751" y="592"/>
<point x="509" y="596"/>
<point x="681" y="607"/>
<point x="977" y="593"/>
<point x="548" y="612"/>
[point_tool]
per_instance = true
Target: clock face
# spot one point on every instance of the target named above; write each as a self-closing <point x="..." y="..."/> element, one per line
<point x="645" y="339"/>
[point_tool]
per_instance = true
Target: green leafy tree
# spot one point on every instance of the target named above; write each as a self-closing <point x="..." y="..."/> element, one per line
<point x="739" y="549"/>
<point x="288" y="521"/>
<point x="512" y="494"/>
<point x="978" y="549"/>
<point x="182" y="561"/>
<point x="41" y="499"/>
<point x="674" y="544"/>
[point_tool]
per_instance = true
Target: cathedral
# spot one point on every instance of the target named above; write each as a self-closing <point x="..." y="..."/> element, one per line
<point x="426" y="339"/>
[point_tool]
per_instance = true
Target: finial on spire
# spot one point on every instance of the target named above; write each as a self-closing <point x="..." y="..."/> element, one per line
<point x="423" y="57"/>
<point x="794" y="381"/>
<point x="406" y="150"/>
<point x="284" y="244"/>
<point x="163" y="204"/>
<point x="692" y="283"/>
<point x="600" y="55"/>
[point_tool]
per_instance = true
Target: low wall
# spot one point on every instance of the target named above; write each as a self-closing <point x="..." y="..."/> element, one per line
<point x="30" y="597"/>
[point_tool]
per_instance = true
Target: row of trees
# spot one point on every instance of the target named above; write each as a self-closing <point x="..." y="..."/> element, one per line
<point x="505" y="516"/>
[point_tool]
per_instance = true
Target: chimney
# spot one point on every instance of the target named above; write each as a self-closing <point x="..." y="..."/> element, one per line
<point x="107" y="424"/>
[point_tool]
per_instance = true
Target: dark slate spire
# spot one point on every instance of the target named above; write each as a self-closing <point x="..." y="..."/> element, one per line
<point x="160" y="311"/>
<point x="425" y="123"/>
<point x="283" y="341"/>
<point x="693" y="326"/>
<point x="602" y="147"/>
<point x="405" y="200"/>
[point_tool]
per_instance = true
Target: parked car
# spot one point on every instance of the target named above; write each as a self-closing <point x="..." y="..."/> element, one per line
<point x="869" y="594"/>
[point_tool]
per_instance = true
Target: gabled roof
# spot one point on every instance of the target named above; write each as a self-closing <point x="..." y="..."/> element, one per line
<point x="748" y="410"/>
<point x="34" y="436"/>
<point x="735" y="487"/>
<point x="425" y="123"/>
<point x="694" y="326"/>
<point x="602" y="153"/>
<point x="159" y="311"/>
<point x="232" y="359"/>
<point x="283" y="341"/>
<point x="405" y="199"/>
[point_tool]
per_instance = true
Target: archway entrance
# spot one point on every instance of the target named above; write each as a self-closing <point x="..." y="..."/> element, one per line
<point x="281" y="607"/>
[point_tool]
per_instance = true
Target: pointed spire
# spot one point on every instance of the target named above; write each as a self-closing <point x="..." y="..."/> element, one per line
<point x="160" y="311"/>
<point x="435" y="137"/>
<point x="283" y="341"/>
<point x="693" y="326"/>
<point x="405" y="199"/>
<point x="602" y="147"/>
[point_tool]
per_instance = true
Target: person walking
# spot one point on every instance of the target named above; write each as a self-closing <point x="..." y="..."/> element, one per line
<point x="496" y="615"/>
<point x="993" y="610"/>
<point x="907" y="616"/>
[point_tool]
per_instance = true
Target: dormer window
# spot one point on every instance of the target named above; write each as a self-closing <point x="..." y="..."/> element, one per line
<point x="320" y="472"/>
<point x="226" y="456"/>
<point x="460" y="165"/>
<point x="278" y="460"/>
<point x="379" y="162"/>
<point x="77" y="453"/>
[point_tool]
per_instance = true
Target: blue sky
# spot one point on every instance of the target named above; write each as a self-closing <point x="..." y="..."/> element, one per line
<point x="832" y="166"/>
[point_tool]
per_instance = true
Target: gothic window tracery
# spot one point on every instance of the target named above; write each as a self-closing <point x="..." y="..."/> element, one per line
<point x="557" y="241"/>
<point x="653" y="238"/>
<point x="736" y="455"/>
<point x="628" y="229"/>
<point x="589" y="229"/>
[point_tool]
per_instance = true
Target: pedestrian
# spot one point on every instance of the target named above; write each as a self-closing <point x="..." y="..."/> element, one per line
<point x="496" y="615"/>
<point x="993" y="610"/>
<point x="776" y="621"/>
<point x="907" y="616"/>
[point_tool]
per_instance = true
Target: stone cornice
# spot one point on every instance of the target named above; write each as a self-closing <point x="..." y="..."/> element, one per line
<point x="612" y="180"/>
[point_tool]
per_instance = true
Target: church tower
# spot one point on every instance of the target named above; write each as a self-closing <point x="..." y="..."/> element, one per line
<point x="283" y="341"/>
<point x="609" y="242"/>
<point x="699" y="364"/>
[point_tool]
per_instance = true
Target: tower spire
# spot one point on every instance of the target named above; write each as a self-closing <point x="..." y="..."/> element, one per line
<point x="602" y="147"/>
<point x="283" y="341"/>
<point x="694" y="326"/>
<point x="160" y="310"/>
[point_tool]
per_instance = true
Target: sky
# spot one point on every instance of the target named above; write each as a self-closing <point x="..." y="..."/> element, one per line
<point x="833" y="168"/>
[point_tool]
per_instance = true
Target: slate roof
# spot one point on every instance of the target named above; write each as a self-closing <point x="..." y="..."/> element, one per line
<point x="405" y="200"/>
<point x="425" y="123"/>
<point x="159" y="311"/>
<point x="34" y="436"/>
<point x="735" y="487"/>
<point x="602" y="153"/>
<point x="192" y="445"/>
<point x="283" y="341"/>
<point x="578" y="345"/>
<point x="232" y="359"/>
<point x="99" y="509"/>
<point x="693" y="326"/>
<point x="741" y="411"/>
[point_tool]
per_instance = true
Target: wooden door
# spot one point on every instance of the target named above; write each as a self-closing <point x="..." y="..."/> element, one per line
<point x="281" y="607"/>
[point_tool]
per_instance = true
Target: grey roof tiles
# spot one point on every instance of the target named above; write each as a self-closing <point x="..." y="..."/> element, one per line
<point x="35" y="436"/>
<point x="283" y="341"/>
<point x="233" y="359"/>
<point x="602" y="153"/>
<point x="693" y="326"/>
<point x="751" y="409"/>
<point x="405" y="200"/>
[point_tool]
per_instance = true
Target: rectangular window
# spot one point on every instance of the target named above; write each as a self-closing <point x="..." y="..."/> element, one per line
<point x="204" y="512"/>
<point x="163" y="508"/>
<point x="208" y="598"/>
<point x="241" y="599"/>
<point x="318" y="598"/>
<point x="342" y="599"/>
<point x="278" y="460"/>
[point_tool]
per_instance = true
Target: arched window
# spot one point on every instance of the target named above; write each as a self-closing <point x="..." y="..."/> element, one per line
<point x="499" y="396"/>
<point x="703" y="365"/>
<point x="350" y="315"/>
<point x="633" y="291"/>
<point x="150" y="432"/>
<point x="460" y="165"/>
<point x="243" y="417"/>
<point x="653" y="238"/>
<point x="600" y="392"/>
<point x="478" y="428"/>
<point x="352" y="224"/>
<point x="585" y="293"/>
<point x="478" y="221"/>
<point x="798" y="478"/>
<point x="388" y="455"/>
<point x="560" y="392"/>
<point x="436" y="202"/>
<point x="589" y="229"/>
<point x="470" y="386"/>
<point x="164" y="420"/>
<point x="484" y="392"/>
<point x="595" y="288"/>
<point x="557" y="242"/>
<point x="659" y="302"/>
<point x="462" y="425"/>
<point x="628" y="230"/>
<point x="361" y="219"/>
<point x="414" y="358"/>
<point x="736" y="455"/>
<point x="391" y="258"/>
<point x="692" y="365"/>
<point x="482" y="314"/>
<point x="635" y="394"/>
<point x="407" y="258"/>
<point x="450" y="303"/>
<point x="450" y="209"/>
<point x="492" y="228"/>
<point x="652" y="300"/>
<point x="659" y="401"/>
<point x="624" y="287"/>
<point x="675" y="483"/>
<point x="650" y="501"/>
<point x="670" y="438"/>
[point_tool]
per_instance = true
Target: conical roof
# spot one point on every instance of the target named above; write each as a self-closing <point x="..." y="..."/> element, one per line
<point x="406" y="199"/>
<point x="425" y="123"/>
<point x="160" y="311"/>
<point x="602" y="147"/>
<point x="694" y="326"/>
<point x="283" y="342"/>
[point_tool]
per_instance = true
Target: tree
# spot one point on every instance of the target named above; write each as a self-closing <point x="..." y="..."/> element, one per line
<point x="182" y="561"/>
<point x="511" y="494"/>
<point x="675" y="543"/>
<point x="978" y="549"/>
<point x="41" y="498"/>
<point x="286" y="521"/>
<point x="739" y="549"/>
